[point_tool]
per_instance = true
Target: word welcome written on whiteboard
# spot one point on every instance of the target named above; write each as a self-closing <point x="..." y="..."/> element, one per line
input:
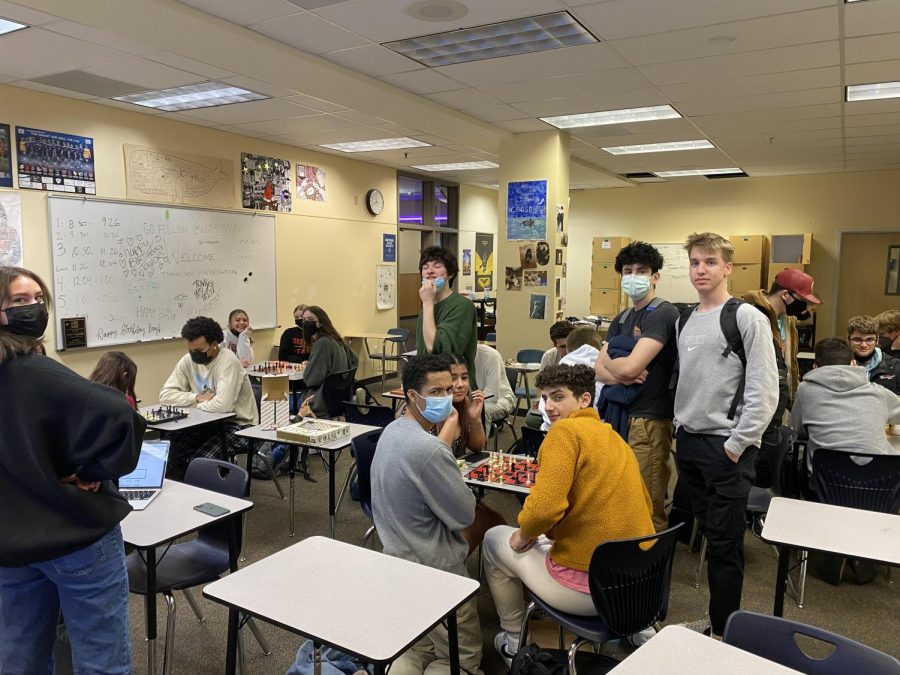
<point x="137" y="272"/>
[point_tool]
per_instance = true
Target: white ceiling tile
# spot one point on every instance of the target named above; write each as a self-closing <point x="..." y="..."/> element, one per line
<point x="261" y="87"/>
<point x="131" y="107"/>
<point x="181" y="117"/>
<point x="315" y="103"/>
<point x="96" y="36"/>
<point x="373" y="60"/>
<point x="524" y="125"/>
<point x="755" y="84"/>
<point x="57" y="91"/>
<point x="875" y="119"/>
<point x="868" y="73"/>
<point x="767" y="101"/>
<point x="189" y="65"/>
<point x="874" y="130"/>
<point x="559" y="87"/>
<point x="243" y="113"/>
<point x="359" y="133"/>
<point x="309" y="33"/>
<point x="494" y="113"/>
<point x="144" y="73"/>
<point x="35" y="52"/>
<point x="26" y="15"/>
<point x="762" y="116"/>
<point x="816" y="25"/>
<point x="462" y="98"/>
<point x="364" y="118"/>
<point x="773" y="128"/>
<point x="422" y="81"/>
<point x="590" y="58"/>
<point x="885" y="105"/>
<point x="869" y="18"/>
<point x="872" y="48"/>
<point x="298" y="125"/>
<point x="592" y="102"/>
<point x="242" y="12"/>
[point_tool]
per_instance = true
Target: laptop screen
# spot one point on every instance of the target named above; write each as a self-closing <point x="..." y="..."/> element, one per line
<point x="151" y="467"/>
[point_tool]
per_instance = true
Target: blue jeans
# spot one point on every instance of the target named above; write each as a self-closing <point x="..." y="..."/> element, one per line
<point x="90" y="586"/>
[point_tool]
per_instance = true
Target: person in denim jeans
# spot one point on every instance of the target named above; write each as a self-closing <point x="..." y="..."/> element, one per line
<point x="65" y="440"/>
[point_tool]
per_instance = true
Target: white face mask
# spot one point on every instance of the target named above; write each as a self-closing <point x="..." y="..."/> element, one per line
<point x="636" y="285"/>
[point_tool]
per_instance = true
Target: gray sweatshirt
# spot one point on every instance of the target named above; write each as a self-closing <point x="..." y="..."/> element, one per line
<point x="842" y="410"/>
<point x="419" y="500"/>
<point x="707" y="380"/>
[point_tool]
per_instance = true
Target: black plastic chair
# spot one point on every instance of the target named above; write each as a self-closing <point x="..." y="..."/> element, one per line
<point x="401" y="335"/>
<point x="874" y="486"/>
<point x="774" y="638"/>
<point x="363" y="450"/>
<point x="182" y="566"/>
<point x="373" y="415"/>
<point x="498" y="424"/>
<point x="629" y="587"/>
<point x="531" y="441"/>
<point x="337" y="388"/>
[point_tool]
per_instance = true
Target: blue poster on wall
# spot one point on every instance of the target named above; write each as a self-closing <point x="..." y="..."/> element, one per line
<point x="389" y="245"/>
<point x="6" y="173"/>
<point x="52" y="161"/>
<point x="526" y="210"/>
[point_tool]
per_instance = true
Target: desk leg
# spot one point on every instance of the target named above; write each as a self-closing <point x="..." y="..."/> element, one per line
<point x="293" y="449"/>
<point x="222" y="440"/>
<point x="784" y="554"/>
<point x="231" y="648"/>
<point x="150" y="610"/>
<point x="379" y="668"/>
<point x="252" y="445"/>
<point x="453" y="643"/>
<point x="332" y="461"/>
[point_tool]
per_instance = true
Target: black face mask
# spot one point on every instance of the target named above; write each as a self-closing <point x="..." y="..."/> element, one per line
<point x="234" y="332"/>
<point x="299" y="323"/>
<point x="885" y="343"/>
<point x="200" y="358"/>
<point x="309" y="327"/>
<point x="797" y="308"/>
<point x="27" y="320"/>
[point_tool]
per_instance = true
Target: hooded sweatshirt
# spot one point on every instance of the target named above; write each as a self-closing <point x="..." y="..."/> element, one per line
<point x="842" y="410"/>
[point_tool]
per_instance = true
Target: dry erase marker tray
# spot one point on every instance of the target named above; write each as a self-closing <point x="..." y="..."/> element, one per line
<point x="313" y="432"/>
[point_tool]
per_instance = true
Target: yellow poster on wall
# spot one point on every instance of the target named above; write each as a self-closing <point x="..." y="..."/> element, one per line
<point x="484" y="262"/>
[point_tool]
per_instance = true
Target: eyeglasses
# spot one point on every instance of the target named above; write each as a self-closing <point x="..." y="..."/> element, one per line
<point x="864" y="341"/>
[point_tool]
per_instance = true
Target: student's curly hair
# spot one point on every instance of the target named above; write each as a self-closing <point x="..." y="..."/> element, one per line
<point x="639" y="253"/>
<point x="442" y="255"/>
<point x="560" y="330"/>
<point x="203" y="326"/>
<point x="889" y="321"/>
<point x="862" y="324"/>
<point x="578" y="379"/>
<point x="415" y="372"/>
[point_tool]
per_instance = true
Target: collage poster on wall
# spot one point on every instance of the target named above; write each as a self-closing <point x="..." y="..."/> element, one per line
<point x="265" y="183"/>
<point x="49" y="160"/>
<point x="385" y="286"/>
<point x="526" y="210"/>
<point x="6" y="167"/>
<point x="535" y="277"/>
<point x="11" y="229"/>
<point x="537" y="307"/>
<point x="310" y="183"/>
<point x="467" y="262"/>
<point x="514" y="278"/>
<point x="484" y="262"/>
<point x="543" y="253"/>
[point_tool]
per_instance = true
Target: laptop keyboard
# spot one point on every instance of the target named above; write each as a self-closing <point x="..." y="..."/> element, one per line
<point x="138" y="495"/>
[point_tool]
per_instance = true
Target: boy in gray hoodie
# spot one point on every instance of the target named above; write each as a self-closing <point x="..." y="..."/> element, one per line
<point x="838" y="406"/>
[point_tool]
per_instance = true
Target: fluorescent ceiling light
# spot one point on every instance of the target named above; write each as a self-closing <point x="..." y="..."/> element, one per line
<point x="659" y="147"/>
<point x="7" y="26"/>
<point x="507" y="38"/>
<point x="380" y="144"/>
<point x="189" y="97"/>
<point x="697" y="172"/>
<point x="459" y="166"/>
<point x="872" y="92"/>
<point x="656" y="112"/>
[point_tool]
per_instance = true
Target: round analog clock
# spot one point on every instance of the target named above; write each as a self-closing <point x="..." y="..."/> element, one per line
<point x="374" y="202"/>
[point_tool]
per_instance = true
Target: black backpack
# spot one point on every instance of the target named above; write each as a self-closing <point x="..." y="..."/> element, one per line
<point x="530" y="660"/>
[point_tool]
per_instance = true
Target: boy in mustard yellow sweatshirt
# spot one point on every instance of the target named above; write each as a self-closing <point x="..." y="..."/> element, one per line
<point x="588" y="490"/>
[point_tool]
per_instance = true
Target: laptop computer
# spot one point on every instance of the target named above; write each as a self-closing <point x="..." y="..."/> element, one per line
<point x="142" y="485"/>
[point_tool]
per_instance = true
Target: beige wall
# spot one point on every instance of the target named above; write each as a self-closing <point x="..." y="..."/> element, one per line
<point x="326" y="252"/>
<point x="477" y="213"/>
<point x="666" y="212"/>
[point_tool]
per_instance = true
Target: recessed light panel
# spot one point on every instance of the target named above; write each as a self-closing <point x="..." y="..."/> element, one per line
<point x="659" y="147"/>
<point x="192" y="96"/>
<point x="625" y="116"/>
<point x="7" y="26"/>
<point x="459" y="166"/>
<point x="873" y="92"/>
<point x="507" y="38"/>
<point x="698" y="172"/>
<point x="380" y="144"/>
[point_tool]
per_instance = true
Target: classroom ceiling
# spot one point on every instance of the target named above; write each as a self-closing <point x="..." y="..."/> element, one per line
<point x="762" y="80"/>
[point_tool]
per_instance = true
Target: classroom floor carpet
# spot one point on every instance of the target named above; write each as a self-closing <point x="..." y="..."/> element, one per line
<point x="869" y="613"/>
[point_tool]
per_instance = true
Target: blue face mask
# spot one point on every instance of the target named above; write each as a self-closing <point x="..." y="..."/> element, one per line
<point x="636" y="285"/>
<point x="439" y="283"/>
<point x="437" y="408"/>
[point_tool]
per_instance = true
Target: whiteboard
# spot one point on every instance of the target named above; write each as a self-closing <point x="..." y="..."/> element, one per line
<point x="674" y="277"/>
<point x="137" y="272"/>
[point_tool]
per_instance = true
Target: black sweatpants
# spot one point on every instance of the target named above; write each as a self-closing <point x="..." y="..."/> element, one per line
<point x="718" y="490"/>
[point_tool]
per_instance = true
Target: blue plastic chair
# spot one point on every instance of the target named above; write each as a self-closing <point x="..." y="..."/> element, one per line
<point x="629" y="587"/>
<point x="874" y="486"/>
<point x="401" y="335"/>
<point x="774" y="638"/>
<point x="524" y="392"/>
<point x="363" y="450"/>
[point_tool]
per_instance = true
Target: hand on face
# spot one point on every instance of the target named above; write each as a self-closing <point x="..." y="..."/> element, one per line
<point x="427" y="291"/>
<point x="475" y="404"/>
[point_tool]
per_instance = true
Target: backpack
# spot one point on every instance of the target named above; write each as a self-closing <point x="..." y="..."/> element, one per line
<point x="651" y="306"/>
<point x="531" y="660"/>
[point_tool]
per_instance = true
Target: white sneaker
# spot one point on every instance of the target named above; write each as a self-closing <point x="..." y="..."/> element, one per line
<point x="638" y="639"/>
<point x="506" y="646"/>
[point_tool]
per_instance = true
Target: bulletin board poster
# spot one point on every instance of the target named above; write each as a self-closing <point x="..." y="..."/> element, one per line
<point x="11" y="229"/>
<point x="389" y="248"/>
<point x="484" y="262"/>
<point x="53" y="161"/>
<point x="6" y="173"/>
<point x="526" y="210"/>
<point x="265" y="183"/>
<point x="385" y="286"/>
<point x="310" y="182"/>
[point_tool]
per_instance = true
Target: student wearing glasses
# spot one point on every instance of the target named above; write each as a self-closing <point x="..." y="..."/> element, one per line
<point x="862" y="332"/>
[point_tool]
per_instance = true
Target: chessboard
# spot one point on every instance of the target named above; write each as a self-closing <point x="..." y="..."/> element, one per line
<point x="264" y="368"/>
<point x="163" y="414"/>
<point x="504" y="472"/>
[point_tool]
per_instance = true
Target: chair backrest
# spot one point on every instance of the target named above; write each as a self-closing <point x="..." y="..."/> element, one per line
<point x="363" y="449"/>
<point x="774" y="638"/>
<point x="630" y="585"/>
<point x="875" y="486"/>
<point x="225" y="478"/>
<point x="529" y="355"/>
<point x="337" y="388"/>
<point x="531" y="440"/>
<point x="490" y="337"/>
<point x="402" y="335"/>
<point x="512" y="375"/>
<point x="374" y="415"/>
<point x="778" y="459"/>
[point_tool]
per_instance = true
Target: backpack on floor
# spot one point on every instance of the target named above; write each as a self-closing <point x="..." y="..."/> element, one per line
<point x="531" y="660"/>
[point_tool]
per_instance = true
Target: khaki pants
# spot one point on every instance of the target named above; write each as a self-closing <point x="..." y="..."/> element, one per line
<point x="431" y="654"/>
<point x="651" y="442"/>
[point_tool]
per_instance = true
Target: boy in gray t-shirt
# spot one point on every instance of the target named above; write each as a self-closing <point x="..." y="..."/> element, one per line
<point x="715" y="454"/>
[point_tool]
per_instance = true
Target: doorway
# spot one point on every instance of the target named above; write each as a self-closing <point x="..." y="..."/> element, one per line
<point x="867" y="266"/>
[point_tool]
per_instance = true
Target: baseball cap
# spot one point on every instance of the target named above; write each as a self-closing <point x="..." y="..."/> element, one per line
<point x="799" y="282"/>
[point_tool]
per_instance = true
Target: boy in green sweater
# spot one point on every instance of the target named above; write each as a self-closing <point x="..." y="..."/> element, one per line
<point x="446" y="323"/>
